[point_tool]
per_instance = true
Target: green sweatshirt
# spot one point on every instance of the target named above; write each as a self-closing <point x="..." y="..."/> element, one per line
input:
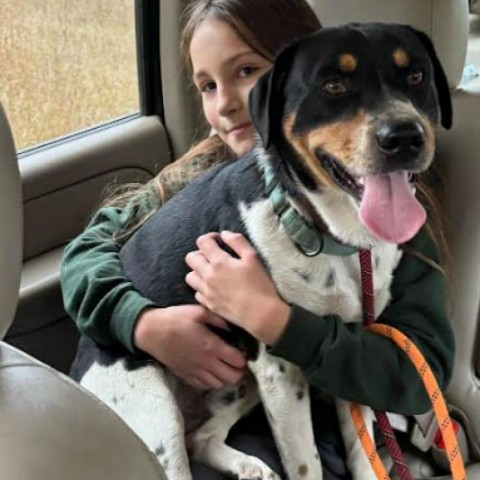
<point x="339" y="359"/>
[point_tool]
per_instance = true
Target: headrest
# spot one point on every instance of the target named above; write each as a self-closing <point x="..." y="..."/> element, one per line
<point x="11" y="226"/>
<point x="446" y="22"/>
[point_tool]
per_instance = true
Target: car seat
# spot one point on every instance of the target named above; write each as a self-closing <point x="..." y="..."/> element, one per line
<point x="50" y="428"/>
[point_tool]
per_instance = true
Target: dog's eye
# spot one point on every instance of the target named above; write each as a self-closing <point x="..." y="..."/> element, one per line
<point x="415" y="78"/>
<point x="334" y="87"/>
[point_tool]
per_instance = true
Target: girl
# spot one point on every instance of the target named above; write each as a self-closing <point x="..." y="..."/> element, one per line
<point x="229" y="44"/>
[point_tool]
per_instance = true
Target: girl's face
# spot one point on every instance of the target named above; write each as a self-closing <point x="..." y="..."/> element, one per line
<point x="225" y="69"/>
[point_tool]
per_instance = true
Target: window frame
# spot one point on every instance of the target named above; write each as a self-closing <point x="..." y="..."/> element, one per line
<point x="147" y="25"/>
<point x="149" y="79"/>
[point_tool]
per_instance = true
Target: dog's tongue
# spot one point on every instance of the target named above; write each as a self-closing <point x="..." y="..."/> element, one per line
<point x="389" y="208"/>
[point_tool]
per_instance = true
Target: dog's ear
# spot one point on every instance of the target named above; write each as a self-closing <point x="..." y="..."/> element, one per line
<point x="441" y="82"/>
<point x="266" y="99"/>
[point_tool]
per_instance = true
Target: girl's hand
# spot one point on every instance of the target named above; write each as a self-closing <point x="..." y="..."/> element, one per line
<point x="237" y="289"/>
<point x="179" y="338"/>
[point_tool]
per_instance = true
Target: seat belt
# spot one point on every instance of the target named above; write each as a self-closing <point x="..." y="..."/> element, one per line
<point x="424" y="430"/>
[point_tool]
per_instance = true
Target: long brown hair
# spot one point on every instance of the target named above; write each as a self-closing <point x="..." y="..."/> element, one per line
<point x="264" y="25"/>
<point x="431" y="194"/>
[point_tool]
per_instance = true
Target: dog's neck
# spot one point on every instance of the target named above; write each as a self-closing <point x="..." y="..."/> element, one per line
<point x="336" y="208"/>
<point x="340" y="213"/>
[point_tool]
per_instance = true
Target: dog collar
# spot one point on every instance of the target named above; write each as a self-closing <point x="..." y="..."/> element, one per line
<point x="305" y="235"/>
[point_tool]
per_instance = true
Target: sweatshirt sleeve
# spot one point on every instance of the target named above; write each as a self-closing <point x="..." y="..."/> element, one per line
<point x="96" y="294"/>
<point x="347" y="361"/>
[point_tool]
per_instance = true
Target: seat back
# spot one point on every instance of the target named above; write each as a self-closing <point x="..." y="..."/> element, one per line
<point x="445" y="21"/>
<point x="11" y="226"/>
<point x="59" y="431"/>
<point x="459" y="153"/>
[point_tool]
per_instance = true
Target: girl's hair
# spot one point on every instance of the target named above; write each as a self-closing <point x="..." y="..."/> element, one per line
<point x="264" y="25"/>
<point x="431" y="194"/>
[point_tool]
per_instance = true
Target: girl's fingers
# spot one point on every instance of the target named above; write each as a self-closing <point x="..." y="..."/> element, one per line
<point x="238" y="243"/>
<point x="208" y="246"/>
<point x="193" y="280"/>
<point x="197" y="262"/>
<point x="216" y="321"/>
<point x="232" y="356"/>
<point x="201" y="299"/>
<point x="228" y="374"/>
<point x="207" y="380"/>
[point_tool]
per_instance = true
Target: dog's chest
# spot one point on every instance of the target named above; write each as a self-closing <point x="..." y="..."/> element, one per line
<point x="323" y="284"/>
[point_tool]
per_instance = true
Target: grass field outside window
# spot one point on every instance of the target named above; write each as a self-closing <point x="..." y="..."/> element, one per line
<point x="66" y="65"/>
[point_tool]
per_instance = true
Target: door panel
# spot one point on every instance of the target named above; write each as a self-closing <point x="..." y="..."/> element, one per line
<point x="62" y="187"/>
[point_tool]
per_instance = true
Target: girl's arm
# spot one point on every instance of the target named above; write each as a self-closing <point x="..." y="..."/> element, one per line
<point x="96" y="293"/>
<point x="341" y="359"/>
<point x="106" y="307"/>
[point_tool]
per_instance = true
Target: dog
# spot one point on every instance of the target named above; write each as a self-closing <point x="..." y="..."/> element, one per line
<point x="346" y="115"/>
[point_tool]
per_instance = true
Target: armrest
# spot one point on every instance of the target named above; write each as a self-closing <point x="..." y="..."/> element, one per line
<point x="50" y="428"/>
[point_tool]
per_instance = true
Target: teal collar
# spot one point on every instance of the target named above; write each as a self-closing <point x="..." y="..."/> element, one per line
<point x="309" y="239"/>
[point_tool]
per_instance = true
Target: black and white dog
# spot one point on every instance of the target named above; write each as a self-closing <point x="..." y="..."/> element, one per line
<point x="345" y="118"/>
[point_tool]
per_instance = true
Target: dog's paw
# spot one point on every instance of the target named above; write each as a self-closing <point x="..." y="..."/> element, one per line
<point x="252" y="468"/>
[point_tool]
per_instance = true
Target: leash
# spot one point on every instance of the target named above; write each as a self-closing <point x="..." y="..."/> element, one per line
<point x="438" y="402"/>
<point x="383" y="422"/>
<point x="312" y="239"/>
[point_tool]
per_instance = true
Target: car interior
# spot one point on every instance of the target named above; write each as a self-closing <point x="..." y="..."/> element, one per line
<point x="50" y="428"/>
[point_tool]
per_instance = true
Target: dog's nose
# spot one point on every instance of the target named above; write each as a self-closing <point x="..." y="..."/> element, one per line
<point x="400" y="139"/>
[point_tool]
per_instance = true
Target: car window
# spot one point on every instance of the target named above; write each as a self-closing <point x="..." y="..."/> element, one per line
<point x="66" y="66"/>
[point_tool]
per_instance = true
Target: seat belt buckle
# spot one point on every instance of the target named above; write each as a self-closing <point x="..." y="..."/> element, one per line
<point x="438" y="451"/>
<point x="438" y="440"/>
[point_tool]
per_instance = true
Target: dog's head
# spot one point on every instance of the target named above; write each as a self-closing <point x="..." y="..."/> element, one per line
<point x="355" y="108"/>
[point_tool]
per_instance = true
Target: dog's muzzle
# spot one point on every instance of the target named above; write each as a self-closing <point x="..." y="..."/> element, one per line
<point x="386" y="196"/>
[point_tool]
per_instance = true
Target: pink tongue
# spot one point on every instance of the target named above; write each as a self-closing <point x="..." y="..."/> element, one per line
<point x="389" y="208"/>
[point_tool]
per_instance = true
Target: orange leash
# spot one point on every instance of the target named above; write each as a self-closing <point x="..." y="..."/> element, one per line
<point x="438" y="403"/>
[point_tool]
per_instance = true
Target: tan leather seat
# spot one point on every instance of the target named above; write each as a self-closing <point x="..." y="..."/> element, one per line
<point x="50" y="429"/>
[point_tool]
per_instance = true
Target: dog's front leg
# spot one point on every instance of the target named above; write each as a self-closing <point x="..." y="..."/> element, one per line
<point x="207" y="444"/>
<point x="285" y="395"/>
<point x="357" y="460"/>
<point x="143" y="399"/>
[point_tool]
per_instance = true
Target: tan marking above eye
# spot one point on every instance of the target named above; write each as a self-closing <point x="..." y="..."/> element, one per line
<point x="347" y="62"/>
<point x="401" y="58"/>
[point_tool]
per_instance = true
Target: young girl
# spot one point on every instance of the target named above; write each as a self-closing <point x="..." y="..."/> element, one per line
<point x="229" y="44"/>
<point x="245" y="36"/>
